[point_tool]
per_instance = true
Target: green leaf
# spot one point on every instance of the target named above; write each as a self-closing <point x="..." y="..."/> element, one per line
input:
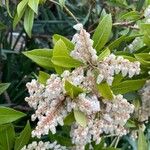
<point x="143" y="58"/>
<point x="131" y="124"/>
<point x="28" y="21"/>
<point x="117" y="79"/>
<point x="72" y="90"/>
<point x="146" y="39"/>
<point x="68" y="43"/>
<point x="69" y="119"/>
<point x="80" y="118"/>
<point x="104" y="54"/>
<point x="102" y="32"/>
<point x="8" y="9"/>
<point x="100" y="146"/>
<point x="41" y="56"/>
<point x="43" y="76"/>
<point x="33" y="4"/>
<point x="23" y="138"/>
<point x="61" y="139"/>
<point x="115" y="44"/>
<point x="62" y="58"/>
<point x="128" y="86"/>
<point x="145" y="29"/>
<point x="21" y="6"/>
<point x="132" y="15"/>
<point x="18" y="18"/>
<point x="8" y="115"/>
<point x="3" y="87"/>
<point x="132" y="59"/>
<point x="59" y="70"/>
<point x="7" y="137"/>
<point x="105" y="91"/>
<point x="142" y="144"/>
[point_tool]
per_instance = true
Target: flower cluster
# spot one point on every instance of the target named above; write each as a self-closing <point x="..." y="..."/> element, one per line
<point x="52" y="103"/>
<point x="44" y="146"/>
<point x="46" y="100"/>
<point x="111" y="120"/>
<point x="112" y="65"/>
<point x="83" y="46"/>
<point x="145" y="97"/>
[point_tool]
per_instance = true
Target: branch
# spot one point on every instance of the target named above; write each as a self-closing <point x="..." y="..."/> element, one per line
<point x="7" y="98"/>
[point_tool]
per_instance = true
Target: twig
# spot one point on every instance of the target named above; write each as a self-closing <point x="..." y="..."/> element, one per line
<point x="7" y="98"/>
<point x="113" y="142"/>
<point x="23" y="108"/>
<point x="123" y="23"/>
<point x="67" y="10"/>
<point x="118" y="138"/>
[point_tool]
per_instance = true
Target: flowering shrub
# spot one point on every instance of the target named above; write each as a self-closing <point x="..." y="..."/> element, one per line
<point x="96" y="88"/>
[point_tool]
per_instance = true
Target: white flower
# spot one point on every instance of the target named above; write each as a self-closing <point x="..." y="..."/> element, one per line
<point x="78" y="26"/>
<point x="83" y="50"/>
<point x="44" y="146"/>
<point x="88" y="104"/>
<point x="112" y="65"/>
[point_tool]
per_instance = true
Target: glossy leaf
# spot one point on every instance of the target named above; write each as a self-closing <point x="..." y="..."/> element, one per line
<point x="105" y="91"/>
<point x="23" y="138"/>
<point x="72" y="90"/>
<point x="132" y="15"/>
<point x="28" y="21"/>
<point x="33" y="4"/>
<point x="69" y="119"/>
<point x="8" y="115"/>
<point x="3" y="87"/>
<point x="41" y="56"/>
<point x="7" y="137"/>
<point x="21" y="6"/>
<point x="102" y="32"/>
<point x="142" y="144"/>
<point x="43" y="76"/>
<point x="143" y="58"/>
<point x="68" y="43"/>
<point x="128" y="86"/>
<point x="62" y="58"/>
<point x="80" y="118"/>
<point x="104" y="54"/>
<point x="115" y="44"/>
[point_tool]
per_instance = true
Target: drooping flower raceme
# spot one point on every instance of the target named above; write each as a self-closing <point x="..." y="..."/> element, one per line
<point x="112" y="65"/>
<point x="52" y="102"/>
<point x="44" y="146"/>
<point x="83" y="50"/>
<point x="111" y="120"/>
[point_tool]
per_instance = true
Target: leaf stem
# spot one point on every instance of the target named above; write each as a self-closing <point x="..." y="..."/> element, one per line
<point x="67" y="10"/>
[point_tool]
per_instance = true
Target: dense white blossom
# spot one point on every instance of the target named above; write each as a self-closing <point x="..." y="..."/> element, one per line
<point x="112" y="65"/>
<point x="88" y="103"/>
<point x="112" y="119"/>
<point x="44" y="146"/>
<point x="47" y="100"/>
<point x="52" y="102"/>
<point x="83" y="50"/>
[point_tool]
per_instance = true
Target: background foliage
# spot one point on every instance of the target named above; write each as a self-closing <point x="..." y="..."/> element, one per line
<point x="24" y="28"/>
